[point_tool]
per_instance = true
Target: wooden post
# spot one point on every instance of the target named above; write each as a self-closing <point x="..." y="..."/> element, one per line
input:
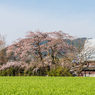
<point x="89" y="73"/>
<point x="85" y="73"/>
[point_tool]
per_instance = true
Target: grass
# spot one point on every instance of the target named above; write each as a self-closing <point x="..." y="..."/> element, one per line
<point x="47" y="86"/>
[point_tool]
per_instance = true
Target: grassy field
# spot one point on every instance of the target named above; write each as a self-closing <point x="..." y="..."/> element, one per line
<point x="47" y="86"/>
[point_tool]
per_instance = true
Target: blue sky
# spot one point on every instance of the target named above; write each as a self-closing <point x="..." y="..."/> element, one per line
<point x="76" y="17"/>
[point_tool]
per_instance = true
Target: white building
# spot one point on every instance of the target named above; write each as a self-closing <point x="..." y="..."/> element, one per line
<point x="88" y="52"/>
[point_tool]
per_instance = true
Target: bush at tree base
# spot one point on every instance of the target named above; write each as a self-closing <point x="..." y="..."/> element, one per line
<point x="42" y="71"/>
<point x="59" y="71"/>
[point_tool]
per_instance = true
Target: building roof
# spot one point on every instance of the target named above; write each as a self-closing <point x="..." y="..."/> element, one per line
<point x="90" y="68"/>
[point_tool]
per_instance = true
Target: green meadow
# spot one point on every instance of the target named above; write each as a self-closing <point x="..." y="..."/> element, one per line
<point x="47" y="86"/>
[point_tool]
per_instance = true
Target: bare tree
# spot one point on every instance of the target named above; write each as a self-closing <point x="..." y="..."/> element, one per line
<point x="2" y="42"/>
<point x="3" y="57"/>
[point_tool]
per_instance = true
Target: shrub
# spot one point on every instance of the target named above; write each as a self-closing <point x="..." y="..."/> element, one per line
<point x="28" y="72"/>
<point x="41" y="71"/>
<point x="13" y="68"/>
<point x="59" y="71"/>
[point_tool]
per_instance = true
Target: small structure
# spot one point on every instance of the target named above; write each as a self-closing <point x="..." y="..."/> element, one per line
<point x="89" y="67"/>
<point x="86" y="57"/>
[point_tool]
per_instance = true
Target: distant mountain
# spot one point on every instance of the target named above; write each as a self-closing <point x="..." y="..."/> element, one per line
<point x="76" y="42"/>
<point x="79" y="41"/>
